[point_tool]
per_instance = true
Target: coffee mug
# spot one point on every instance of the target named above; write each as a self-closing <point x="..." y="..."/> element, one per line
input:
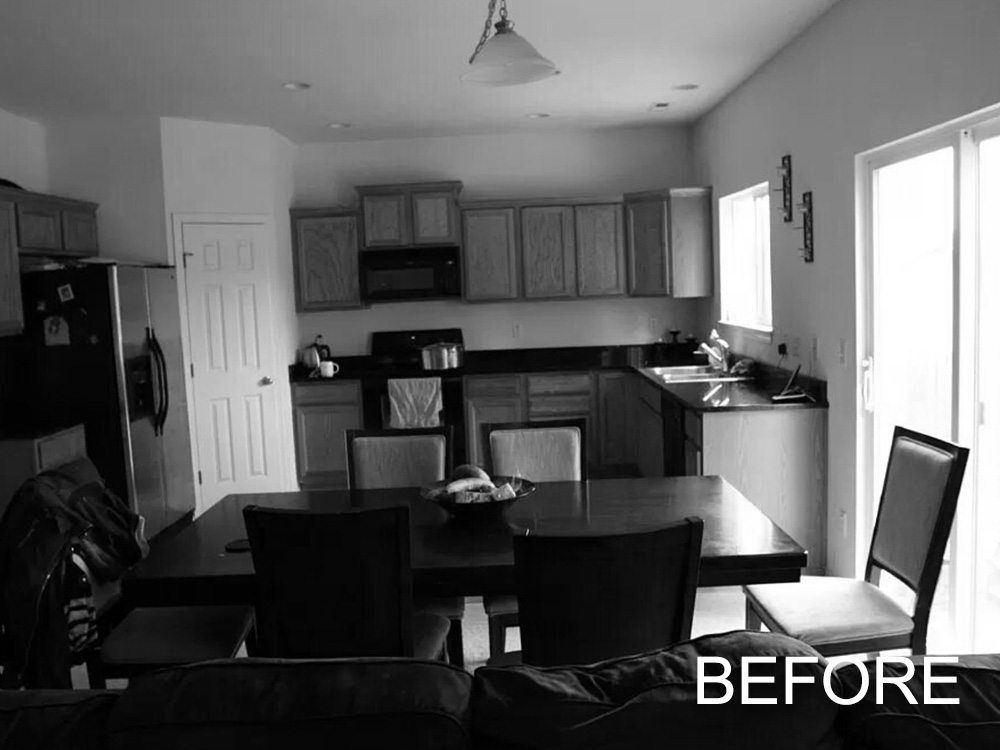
<point x="328" y="369"/>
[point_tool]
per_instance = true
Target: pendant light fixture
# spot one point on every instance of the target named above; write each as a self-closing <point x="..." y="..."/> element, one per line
<point x="506" y="58"/>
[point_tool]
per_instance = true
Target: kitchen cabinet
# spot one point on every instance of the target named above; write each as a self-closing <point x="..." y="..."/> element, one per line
<point x="325" y="252"/>
<point x="616" y="441"/>
<point x="565" y="396"/>
<point x="322" y="413"/>
<point x="649" y="446"/>
<point x="490" y="399"/>
<point x="548" y="252"/>
<point x="489" y="254"/>
<point x="670" y="242"/>
<point x="50" y="225"/>
<point x="600" y="250"/>
<point x="11" y="312"/>
<point x="410" y="214"/>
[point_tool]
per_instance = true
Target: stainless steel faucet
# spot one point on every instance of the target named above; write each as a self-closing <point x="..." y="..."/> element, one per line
<point x="718" y="355"/>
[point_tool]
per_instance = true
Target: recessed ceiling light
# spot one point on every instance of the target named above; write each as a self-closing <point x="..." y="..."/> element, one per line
<point x="339" y="125"/>
<point x="685" y="87"/>
<point x="658" y="106"/>
<point x="538" y="115"/>
<point x="296" y="86"/>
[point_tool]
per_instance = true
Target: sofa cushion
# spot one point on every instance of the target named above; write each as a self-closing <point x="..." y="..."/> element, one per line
<point x="973" y="722"/>
<point x="650" y="701"/>
<point x="64" y="719"/>
<point x="302" y="704"/>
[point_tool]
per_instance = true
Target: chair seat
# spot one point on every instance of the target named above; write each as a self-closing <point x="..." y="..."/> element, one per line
<point x="429" y="634"/>
<point x="500" y="605"/>
<point x="822" y="610"/>
<point x="451" y="607"/>
<point x="151" y="637"/>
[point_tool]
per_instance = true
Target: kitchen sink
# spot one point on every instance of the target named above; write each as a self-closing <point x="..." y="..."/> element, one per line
<point x="695" y="374"/>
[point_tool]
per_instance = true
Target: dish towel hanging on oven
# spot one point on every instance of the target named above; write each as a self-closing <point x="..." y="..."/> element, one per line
<point x="414" y="402"/>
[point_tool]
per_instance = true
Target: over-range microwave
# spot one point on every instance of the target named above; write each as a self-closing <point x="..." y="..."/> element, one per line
<point x="411" y="273"/>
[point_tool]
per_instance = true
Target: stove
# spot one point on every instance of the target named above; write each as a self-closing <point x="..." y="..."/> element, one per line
<point x="396" y="354"/>
<point x="401" y="349"/>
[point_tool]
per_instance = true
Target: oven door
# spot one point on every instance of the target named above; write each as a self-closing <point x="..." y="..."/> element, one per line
<point x="422" y="273"/>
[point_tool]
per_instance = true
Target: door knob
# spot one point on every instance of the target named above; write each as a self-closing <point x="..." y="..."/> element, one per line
<point x="266" y="380"/>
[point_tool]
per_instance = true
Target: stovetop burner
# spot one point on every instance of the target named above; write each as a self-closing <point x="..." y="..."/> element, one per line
<point x="402" y="348"/>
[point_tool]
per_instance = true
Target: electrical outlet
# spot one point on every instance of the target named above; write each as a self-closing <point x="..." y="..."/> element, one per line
<point x="813" y="353"/>
<point x="794" y="347"/>
<point x="654" y="325"/>
<point x="515" y="331"/>
<point x="842" y="522"/>
<point x="842" y="352"/>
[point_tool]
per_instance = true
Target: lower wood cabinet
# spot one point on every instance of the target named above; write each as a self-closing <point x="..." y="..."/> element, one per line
<point x="490" y="399"/>
<point x="616" y="441"/>
<point x="322" y="413"/>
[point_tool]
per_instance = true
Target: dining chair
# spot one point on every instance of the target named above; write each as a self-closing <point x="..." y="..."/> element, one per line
<point x="337" y="585"/>
<point x="592" y="597"/>
<point x="542" y="451"/>
<point x="415" y="457"/>
<point x="847" y="615"/>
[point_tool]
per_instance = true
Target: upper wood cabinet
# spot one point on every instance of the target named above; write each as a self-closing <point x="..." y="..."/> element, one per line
<point x="11" y="312"/>
<point x="548" y="257"/>
<point x="600" y="250"/>
<point x="50" y="225"/>
<point x="670" y="242"/>
<point x="489" y="254"/>
<point x="325" y="250"/>
<point x="423" y="213"/>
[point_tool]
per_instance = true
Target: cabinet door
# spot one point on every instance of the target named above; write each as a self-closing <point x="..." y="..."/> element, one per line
<point x="650" y="449"/>
<point x="487" y="410"/>
<point x="615" y="434"/>
<point x="691" y="242"/>
<point x="548" y="251"/>
<point x="320" y="445"/>
<point x="326" y="262"/>
<point x="11" y="312"/>
<point x="600" y="250"/>
<point x="435" y="218"/>
<point x="387" y="220"/>
<point x="39" y="226"/>
<point x="79" y="231"/>
<point x="490" y="254"/>
<point x="674" y="460"/>
<point x="647" y="248"/>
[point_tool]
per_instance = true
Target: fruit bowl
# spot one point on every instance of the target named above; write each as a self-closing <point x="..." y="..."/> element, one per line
<point x="469" y="511"/>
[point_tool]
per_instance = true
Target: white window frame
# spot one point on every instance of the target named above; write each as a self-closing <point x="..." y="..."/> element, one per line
<point x="761" y="317"/>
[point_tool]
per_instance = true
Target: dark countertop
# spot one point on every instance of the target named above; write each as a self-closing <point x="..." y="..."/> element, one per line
<point x="740" y="396"/>
<point x="749" y="395"/>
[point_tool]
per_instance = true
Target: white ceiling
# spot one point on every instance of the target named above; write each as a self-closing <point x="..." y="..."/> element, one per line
<point x="390" y="67"/>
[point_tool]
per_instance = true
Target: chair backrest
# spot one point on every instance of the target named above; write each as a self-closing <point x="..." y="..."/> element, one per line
<point x="582" y="599"/>
<point x="922" y="483"/>
<point x="542" y="451"/>
<point x="331" y="584"/>
<point x="398" y="458"/>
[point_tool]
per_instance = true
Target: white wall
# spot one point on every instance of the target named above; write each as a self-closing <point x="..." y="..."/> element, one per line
<point x="115" y="162"/>
<point x="218" y="168"/>
<point x="537" y="165"/>
<point x="867" y="73"/>
<point x="23" y="158"/>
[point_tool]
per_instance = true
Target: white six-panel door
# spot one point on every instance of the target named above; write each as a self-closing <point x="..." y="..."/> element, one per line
<point x="233" y="365"/>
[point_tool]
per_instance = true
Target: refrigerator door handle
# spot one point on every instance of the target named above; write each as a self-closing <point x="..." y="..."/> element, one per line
<point x="156" y="353"/>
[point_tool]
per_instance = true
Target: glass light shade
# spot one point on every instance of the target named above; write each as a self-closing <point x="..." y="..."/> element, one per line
<point x="507" y="59"/>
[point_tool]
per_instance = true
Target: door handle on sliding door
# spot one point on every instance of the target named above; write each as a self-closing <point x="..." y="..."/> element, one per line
<point x="867" y="376"/>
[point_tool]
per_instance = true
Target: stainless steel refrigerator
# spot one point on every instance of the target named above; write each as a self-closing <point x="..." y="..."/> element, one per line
<point x="102" y="347"/>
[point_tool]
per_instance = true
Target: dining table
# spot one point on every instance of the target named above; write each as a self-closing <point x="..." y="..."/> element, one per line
<point x="451" y="557"/>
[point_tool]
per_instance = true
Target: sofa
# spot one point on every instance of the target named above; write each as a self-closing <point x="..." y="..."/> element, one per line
<point x="642" y="701"/>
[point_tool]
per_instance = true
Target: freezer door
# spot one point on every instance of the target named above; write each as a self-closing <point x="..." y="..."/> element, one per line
<point x="136" y="373"/>
<point x="175" y="437"/>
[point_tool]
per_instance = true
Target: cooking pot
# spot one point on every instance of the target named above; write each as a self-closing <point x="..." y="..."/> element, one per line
<point x="442" y="356"/>
<point x="312" y="355"/>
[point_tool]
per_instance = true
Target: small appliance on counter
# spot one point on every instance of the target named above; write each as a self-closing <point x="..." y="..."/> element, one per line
<point x="316" y="360"/>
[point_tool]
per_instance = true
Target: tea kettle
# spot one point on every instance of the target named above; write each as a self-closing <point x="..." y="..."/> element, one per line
<point x="312" y="355"/>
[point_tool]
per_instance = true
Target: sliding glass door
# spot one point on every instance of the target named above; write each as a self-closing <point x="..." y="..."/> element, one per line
<point x="929" y="314"/>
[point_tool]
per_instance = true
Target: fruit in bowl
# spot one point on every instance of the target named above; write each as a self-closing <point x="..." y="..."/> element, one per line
<point x="470" y="488"/>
